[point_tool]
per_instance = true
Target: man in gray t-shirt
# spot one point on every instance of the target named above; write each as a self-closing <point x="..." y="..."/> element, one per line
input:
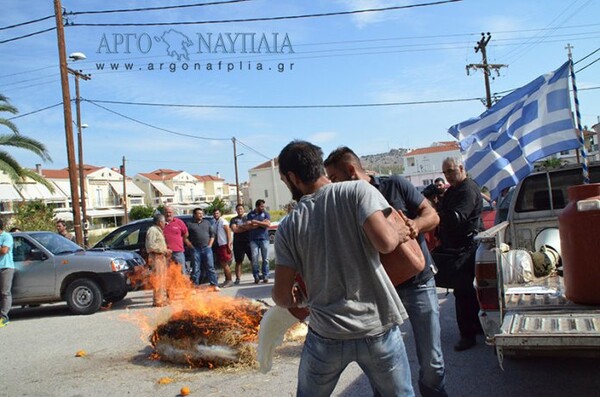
<point x="333" y="240"/>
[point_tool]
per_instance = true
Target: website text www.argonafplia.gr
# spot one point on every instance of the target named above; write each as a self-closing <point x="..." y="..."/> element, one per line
<point x="280" y="67"/>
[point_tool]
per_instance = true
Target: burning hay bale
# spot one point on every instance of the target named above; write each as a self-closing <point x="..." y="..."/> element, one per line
<point x="210" y="338"/>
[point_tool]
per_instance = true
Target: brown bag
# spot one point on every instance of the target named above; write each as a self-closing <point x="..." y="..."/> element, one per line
<point x="406" y="261"/>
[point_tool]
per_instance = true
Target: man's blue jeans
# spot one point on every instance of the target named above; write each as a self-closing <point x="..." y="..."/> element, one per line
<point x="262" y="247"/>
<point x="179" y="258"/>
<point x="203" y="265"/>
<point x="382" y="358"/>
<point x="421" y="303"/>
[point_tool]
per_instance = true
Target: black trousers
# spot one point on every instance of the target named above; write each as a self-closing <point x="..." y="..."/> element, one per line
<point x="465" y="303"/>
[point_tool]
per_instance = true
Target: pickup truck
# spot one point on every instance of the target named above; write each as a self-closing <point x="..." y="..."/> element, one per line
<point x="533" y="317"/>
<point x="50" y="268"/>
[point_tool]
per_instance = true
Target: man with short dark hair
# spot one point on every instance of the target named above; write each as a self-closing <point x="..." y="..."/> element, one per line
<point x="258" y="220"/>
<point x="61" y="228"/>
<point x="223" y="246"/>
<point x="418" y="294"/>
<point x="200" y="239"/>
<point x="241" y="241"/>
<point x="333" y="240"/>
<point x="7" y="271"/>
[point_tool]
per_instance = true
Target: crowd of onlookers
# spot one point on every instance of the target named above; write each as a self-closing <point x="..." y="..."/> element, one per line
<point x="245" y="235"/>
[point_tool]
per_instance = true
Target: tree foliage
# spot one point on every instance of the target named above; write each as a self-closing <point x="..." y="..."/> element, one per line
<point x="141" y="212"/>
<point x="34" y="215"/>
<point x="217" y="204"/>
<point x="8" y="163"/>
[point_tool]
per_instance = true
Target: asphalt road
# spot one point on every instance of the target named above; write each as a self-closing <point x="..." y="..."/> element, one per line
<point x="38" y="359"/>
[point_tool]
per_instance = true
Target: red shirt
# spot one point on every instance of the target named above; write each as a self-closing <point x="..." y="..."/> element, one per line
<point x="174" y="232"/>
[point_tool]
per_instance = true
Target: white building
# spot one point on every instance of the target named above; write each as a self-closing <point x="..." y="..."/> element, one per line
<point x="265" y="183"/>
<point x="422" y="166"/>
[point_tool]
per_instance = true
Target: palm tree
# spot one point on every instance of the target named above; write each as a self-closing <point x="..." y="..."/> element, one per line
<point x="8" y="163"/>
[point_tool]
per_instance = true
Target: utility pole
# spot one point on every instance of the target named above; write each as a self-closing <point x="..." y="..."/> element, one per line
<point x="487" y="67"/>
<point x="125" y="214"/>
<point x="64" y="79"/>
<point x="78" y="75"/>
<point x="237" y="181"/>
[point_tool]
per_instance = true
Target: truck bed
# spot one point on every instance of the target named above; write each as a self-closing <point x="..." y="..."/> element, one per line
<point x="538" y="317"/>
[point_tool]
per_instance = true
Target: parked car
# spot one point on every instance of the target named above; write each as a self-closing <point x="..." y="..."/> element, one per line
<point x="50" y="268"/>
<point x="132" y="236"/>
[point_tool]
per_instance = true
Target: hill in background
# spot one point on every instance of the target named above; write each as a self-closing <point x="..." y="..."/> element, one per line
<point x="384" y="163"/>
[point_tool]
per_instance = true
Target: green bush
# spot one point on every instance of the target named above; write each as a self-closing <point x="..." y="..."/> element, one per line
<point x="34" y="215"/>
<point x="141" y="212"/>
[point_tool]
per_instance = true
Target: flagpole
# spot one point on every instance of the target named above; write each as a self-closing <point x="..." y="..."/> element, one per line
<point x="584" y="163"/>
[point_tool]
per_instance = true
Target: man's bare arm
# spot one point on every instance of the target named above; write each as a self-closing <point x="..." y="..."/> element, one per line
<point x="284" y="286"/>
<point x="426" y="220"/>
<point x="386" y="233"/>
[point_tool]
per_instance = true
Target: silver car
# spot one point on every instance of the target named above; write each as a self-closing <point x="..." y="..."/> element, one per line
<point x="49" y="268"/>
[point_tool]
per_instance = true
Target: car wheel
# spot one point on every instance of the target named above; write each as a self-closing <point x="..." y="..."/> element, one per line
<point x="83" y="296"/>
<point x="271" y="237"/>
<point x="117" y="298"/>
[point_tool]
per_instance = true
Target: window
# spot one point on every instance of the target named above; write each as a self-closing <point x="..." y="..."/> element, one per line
<point x="98" y="197"/>
<point x="266" y="193"/>
<point x="22" y="250"/>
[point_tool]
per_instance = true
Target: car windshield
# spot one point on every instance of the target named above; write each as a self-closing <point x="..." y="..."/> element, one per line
<point x="56" y="243"/>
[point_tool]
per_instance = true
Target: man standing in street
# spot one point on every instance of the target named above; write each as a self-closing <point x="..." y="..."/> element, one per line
<point x="223" y="246"/>
<point x="176" y="233"/>
<point x="418" y="294"/>
<point x="460" y="214"/>
<point x="61" y="228"/>
<point x="7" y="271"/>
<point x="258" y="222"/>
<point x="333" y="240"/>
<point x="200" y="241"/>
<point x="158" y="257"/>
<point x="241" y="241"/>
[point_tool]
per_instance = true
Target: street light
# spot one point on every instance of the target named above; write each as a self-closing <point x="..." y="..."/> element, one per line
<point x="78" y="56"/>
<point x="237" y="182"/>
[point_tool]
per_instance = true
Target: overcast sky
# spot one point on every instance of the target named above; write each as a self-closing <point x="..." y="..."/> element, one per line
<point x="379" y="58"/>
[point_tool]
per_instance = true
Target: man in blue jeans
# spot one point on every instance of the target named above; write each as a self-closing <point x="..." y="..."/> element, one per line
<point x="7" y="271"/>
<point x="200" y="240"/>
<point x="333" y="240"/>
<point x="418" y="294"/>
<point x="258" y="220"/>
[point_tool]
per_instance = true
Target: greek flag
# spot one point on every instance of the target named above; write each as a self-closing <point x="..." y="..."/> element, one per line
<point x="500" y="146"/>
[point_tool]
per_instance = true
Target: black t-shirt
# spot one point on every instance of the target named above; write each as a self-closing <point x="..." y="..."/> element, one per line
<point x="200" y="233"/>
<point x="239" y="238"/>
<point x="403" y="196"/>
<point x="460" y="215"/>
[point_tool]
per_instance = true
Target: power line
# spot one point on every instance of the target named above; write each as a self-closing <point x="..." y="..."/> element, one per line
<point x="153" y="126"/>
<point x="588" y="55"/>
<point x="26" y="23"/>
<point x="320" y="106"/>
<point x="27" y="35"/>
<point x="252" y="149"/>
<point x="588" y="65"/>
<point x="35" y="111"/>
<point x="155" y="8"/>
<point x="278" y="18"/>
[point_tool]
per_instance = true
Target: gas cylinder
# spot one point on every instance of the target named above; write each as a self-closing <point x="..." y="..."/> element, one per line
<point x="579" y="227"/>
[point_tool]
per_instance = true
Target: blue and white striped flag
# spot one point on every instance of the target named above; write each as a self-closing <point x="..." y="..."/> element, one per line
<point x="500" y="146"/>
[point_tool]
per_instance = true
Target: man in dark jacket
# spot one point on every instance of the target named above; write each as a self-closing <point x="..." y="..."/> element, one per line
<point x="460" y="221"/>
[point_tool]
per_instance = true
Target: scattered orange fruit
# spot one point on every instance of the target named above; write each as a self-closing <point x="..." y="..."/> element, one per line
<point x="165" y="381"/>
<point x="81" y="353"/>
<point x="185" y="391"/>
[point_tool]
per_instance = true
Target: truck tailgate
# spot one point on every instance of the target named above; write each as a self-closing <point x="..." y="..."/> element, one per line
<point x="550" y="330"/>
